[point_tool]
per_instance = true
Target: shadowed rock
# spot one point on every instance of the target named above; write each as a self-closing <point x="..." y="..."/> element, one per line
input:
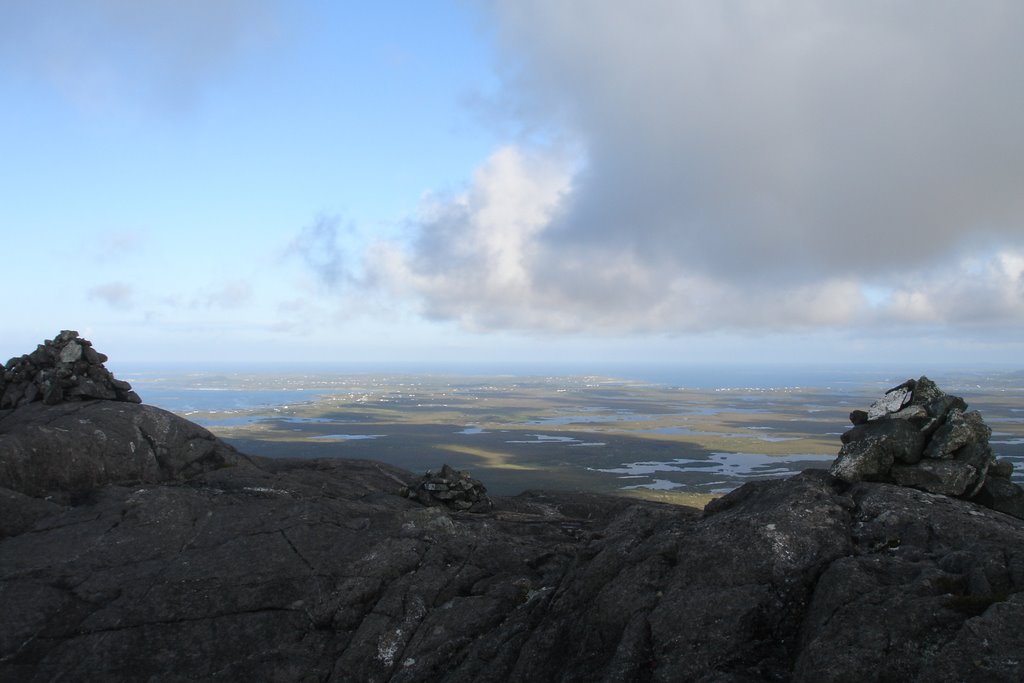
<point x="72" y="449"/>
<point x="209" y="565"/>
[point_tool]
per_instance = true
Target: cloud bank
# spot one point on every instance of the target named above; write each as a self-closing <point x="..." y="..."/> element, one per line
<point x="738" y="166"/>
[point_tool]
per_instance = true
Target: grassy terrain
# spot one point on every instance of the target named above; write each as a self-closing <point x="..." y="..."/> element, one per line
<point x="590" y="433"/>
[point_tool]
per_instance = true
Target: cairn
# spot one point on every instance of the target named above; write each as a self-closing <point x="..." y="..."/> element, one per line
<point x="65" y="368"/>
<point x="451" y="488"/>
<point x="918" y="436"/>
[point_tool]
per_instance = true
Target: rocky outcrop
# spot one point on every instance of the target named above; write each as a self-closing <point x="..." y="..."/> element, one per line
<point x="224" y="567"/>
<point x="452" y="488"/>
<point x="319" y="570"/>
<point x="69" y="451"/>
<point x="918" y="436"/>
<point x="65" y="368"/>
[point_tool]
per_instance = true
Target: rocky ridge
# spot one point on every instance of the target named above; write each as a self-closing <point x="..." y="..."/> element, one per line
<point x="918" y="436"/>
<point x="327" y="570"/>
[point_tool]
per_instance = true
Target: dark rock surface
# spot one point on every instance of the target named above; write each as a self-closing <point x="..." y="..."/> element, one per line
<point x="135" y="546"/>
<point x="70" y="450"/>
<point x="323" y="571"/>
<point x="918" y="436"/>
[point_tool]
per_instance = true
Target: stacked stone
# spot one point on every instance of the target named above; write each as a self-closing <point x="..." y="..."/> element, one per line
<point x="918" y="436"/>
<point x="452" y="488"/>
<point x="65" y="368"/>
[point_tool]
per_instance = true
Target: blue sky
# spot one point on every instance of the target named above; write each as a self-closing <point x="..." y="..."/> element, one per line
<point x="515" y="181"/>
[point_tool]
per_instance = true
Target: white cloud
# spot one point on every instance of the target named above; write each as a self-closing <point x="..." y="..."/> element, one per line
<point x="976" y="291"/>
<point x="317" y="246"/>
<point x="116" y="294"/>
<point x="229" y="295"/>
<point x="742" y="166"/>
<point x="474" y="254"/>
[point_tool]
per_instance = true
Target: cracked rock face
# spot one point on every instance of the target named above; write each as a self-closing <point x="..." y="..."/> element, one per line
<point x="70" y="450"/>
<point x="321" y="570"/>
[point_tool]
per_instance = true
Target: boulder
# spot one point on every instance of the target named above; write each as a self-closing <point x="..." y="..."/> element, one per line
<point x="870" y="449"/>
<point x="67" y="451"/>
<point x="948" y="477"/>
<point x="924" y="392"/>
<point x="1003" y="495"/>
<point x="959" y="429"/>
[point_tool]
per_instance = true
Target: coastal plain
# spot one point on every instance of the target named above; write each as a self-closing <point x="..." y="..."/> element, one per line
<point x="602" y="434"/>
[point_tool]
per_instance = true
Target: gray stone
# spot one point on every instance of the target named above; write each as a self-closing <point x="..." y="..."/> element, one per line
<point x="941" y="406"/>
<point x="959" y="429"/>
<point x="925" y="391"/>
<point x="893" y="401"/>
<point x="978" y="455"/>
<point x="947" y="477"/>
<point x="71" y="352"/>
<point x="1002" y="495"/>
<point x="1001" y="468"/>
<point x="862" y="461"/>
<point x="870" y="449"/>
<point x="912" y="413"/>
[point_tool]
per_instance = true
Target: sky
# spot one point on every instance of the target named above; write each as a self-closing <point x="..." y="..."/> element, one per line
<point x="663" y="181"/>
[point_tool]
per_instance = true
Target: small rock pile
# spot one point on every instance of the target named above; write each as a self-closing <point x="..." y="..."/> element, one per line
<point x="65" y="368"/>
<point x="452" y="488"/>
<point x="918" y="436"/>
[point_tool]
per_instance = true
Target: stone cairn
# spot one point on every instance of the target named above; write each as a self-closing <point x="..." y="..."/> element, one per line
<point x="918" y="436"/>
<point x="451" y="488"/>
<point x="65" y="368"/>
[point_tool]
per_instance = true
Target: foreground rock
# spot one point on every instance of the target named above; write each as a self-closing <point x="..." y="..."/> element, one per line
<point x="918" y="436"/>
<point x="322" y="571"/>
<point x="69" y="451"/>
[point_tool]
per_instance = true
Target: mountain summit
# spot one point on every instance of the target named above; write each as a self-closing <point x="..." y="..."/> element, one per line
<point x="135" y="545"/>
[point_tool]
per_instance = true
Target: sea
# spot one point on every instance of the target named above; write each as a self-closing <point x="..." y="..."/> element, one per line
<point x="182" y="388"/>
